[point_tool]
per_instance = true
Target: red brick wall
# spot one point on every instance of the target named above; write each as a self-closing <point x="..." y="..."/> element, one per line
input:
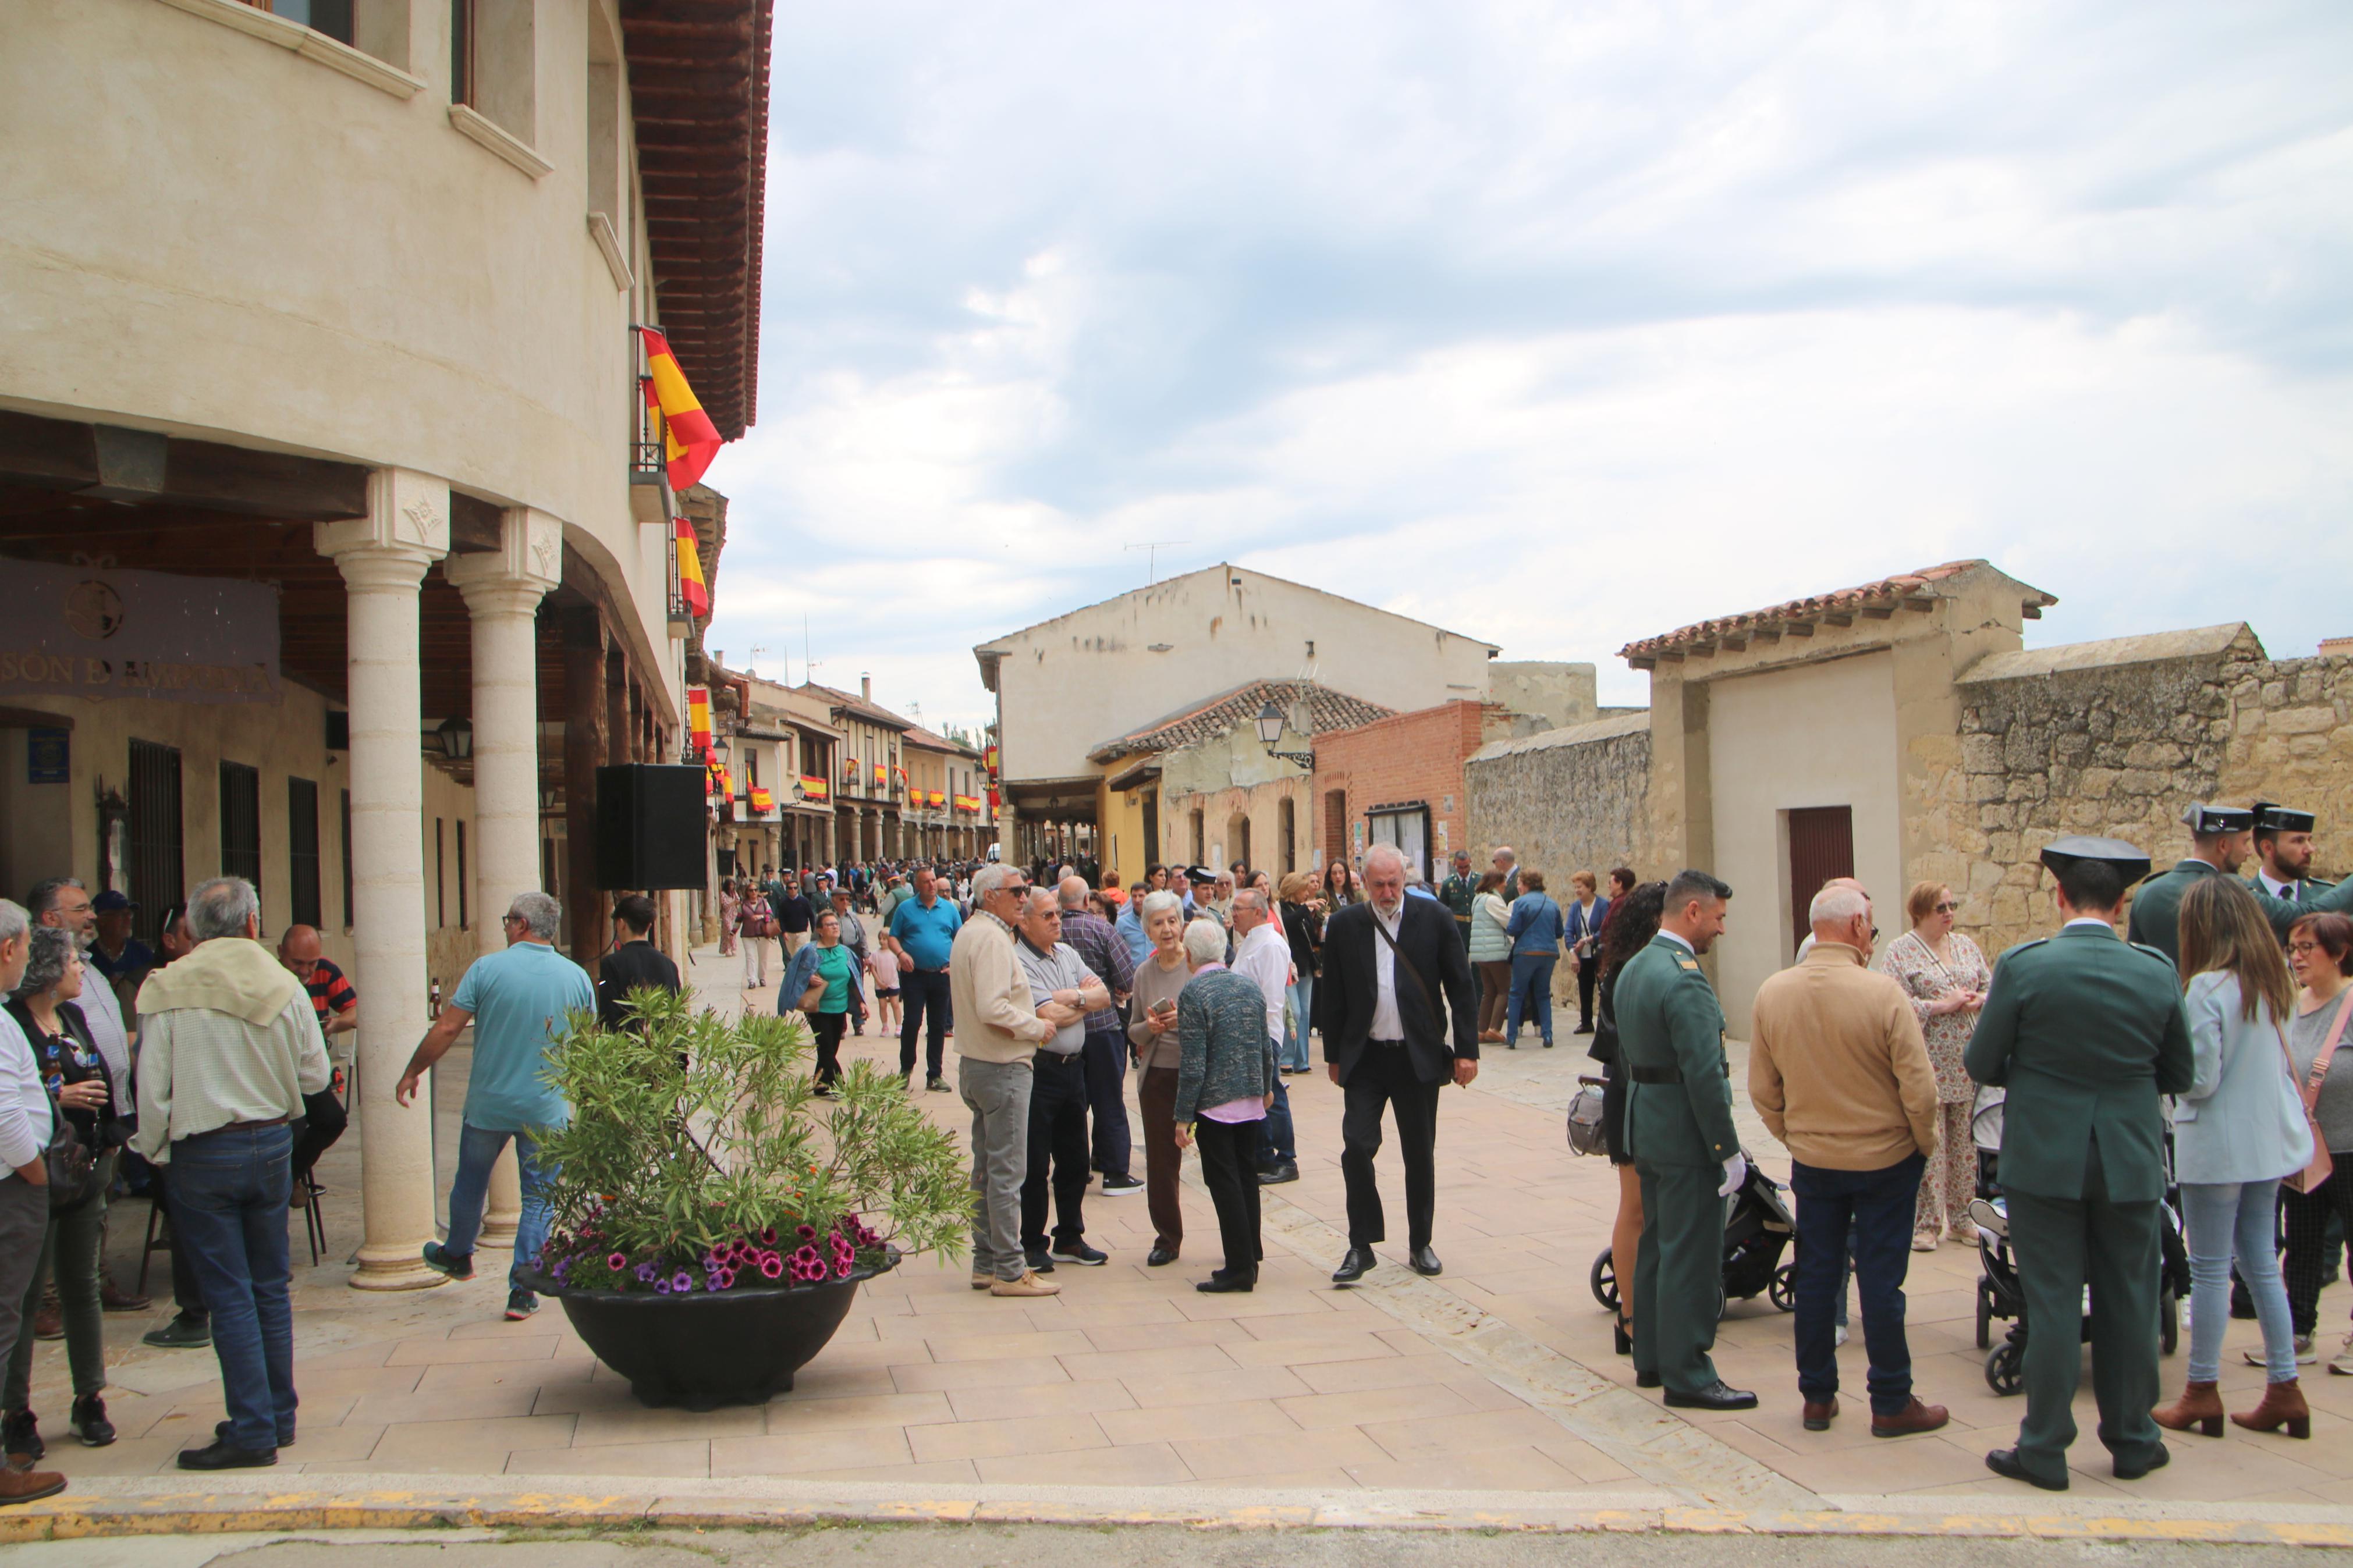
<point x="1413" y="756"/>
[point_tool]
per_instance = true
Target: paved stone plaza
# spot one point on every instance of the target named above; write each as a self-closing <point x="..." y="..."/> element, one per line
<point x="1496" y="1377"/>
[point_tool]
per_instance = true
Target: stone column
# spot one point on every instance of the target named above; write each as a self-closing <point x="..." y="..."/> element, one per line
<point x="503" y="590"/>
<point x="383" y="558"/>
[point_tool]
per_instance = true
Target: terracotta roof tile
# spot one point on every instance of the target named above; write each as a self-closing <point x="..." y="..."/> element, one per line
<point x="1928" y="583"/>
<point x="1219" y="715"/>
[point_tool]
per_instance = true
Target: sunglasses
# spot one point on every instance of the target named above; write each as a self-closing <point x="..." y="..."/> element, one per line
<point x="1949" y="906"/>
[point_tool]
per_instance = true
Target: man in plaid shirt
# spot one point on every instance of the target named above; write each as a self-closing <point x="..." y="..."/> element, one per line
<point x="1106" y="1049"/>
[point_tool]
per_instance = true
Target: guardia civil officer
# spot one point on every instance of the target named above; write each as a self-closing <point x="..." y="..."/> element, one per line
<point x="2085" y="1032"/>
<point x="2283" y="855"/>
<point x="1679" y="1131"/>
<point x="2218" y="844"/>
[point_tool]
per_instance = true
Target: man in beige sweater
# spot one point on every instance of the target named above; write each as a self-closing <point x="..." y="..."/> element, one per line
<point x="1840" y="1073"/>
<point x="997" y="1031"/>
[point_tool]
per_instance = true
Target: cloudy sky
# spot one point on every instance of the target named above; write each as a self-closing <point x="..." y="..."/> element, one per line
<point x="1554" y="324"/>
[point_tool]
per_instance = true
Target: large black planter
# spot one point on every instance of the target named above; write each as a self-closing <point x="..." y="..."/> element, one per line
<point x="703" y="1351"/>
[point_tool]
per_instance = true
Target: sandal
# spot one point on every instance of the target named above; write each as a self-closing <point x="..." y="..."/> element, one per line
<point x="1924" y="1241"/>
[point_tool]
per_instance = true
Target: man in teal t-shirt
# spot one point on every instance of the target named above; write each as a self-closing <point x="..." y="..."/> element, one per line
<point x="518" y="1001"/>
<point x="921" y="931"/>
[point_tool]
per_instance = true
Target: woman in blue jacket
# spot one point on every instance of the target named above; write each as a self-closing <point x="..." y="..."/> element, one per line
<point x="1536" y="933"/>
<point x="2237" y="1129"/>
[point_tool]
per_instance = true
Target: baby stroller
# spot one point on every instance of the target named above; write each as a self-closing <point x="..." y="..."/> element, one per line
<point x="1998" y="1295"/>
<point x="1756" y="1230"/>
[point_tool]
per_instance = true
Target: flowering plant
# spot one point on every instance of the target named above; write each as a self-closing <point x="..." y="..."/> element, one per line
<point x="698" y="1160"/>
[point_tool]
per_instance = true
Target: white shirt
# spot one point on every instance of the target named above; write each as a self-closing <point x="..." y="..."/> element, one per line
<point x="25" y="1123"/>
<point x="2278" y="890"/>
<point x="1263" y="957"/>
<point x="1684" y="943"/>
<point x="1388" y="1024"/>
<point x="104" y="1011"/>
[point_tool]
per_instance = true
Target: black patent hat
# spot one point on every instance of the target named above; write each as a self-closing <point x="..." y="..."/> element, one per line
<point x="2128" y="859"/>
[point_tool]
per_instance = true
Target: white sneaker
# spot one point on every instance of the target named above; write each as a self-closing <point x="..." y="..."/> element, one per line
<point x="2343" y="1365"/>
<point x="2305" y="1352"/>
<point x="1839" y="1337"/>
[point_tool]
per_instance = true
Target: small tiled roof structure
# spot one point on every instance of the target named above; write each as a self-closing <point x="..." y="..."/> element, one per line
<point x="851" y="702"/>
<point x="917" y="735"/>
<point x="1219" y="715"/>
<point x="1913" y="590"/>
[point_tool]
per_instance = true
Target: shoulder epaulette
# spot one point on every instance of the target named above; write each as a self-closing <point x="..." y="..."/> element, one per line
<point x="2157" y="953"/>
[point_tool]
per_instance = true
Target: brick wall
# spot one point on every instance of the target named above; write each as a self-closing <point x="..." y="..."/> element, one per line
<point x="1413" y="756"/>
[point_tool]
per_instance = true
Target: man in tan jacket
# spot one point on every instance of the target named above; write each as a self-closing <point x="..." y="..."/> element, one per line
<point x="1840" y="1073"/>
<point x="997" y="1031"/>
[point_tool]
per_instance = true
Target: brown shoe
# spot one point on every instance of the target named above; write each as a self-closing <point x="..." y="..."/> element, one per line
<point x="22" y="1483"/>
<point x="49" y="1323"/>
<point x="982" y="1280"/>
<point x="2199" y="1406"/>
<point x="1819" y="1415"/>
<point x="2283" y="1405"/>
<point x="1913" y="1417"/>
<point x="111" y="1297"/>
<point x="1029" y="1284"/>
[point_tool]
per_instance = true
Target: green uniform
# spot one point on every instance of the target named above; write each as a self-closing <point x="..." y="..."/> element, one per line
<point x="1679" y="1131"/>
<point x="2084" y="1032"/>
<point x="2156" y="906"/>
<point x="1456" y="893"/>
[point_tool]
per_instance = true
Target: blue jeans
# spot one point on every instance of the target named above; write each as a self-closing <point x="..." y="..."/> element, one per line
<point x="2226" y="1219"/>
<point x="478" y="1151"/>
<point x="1277" y="1144"/>
<point x="1871" y="1213"/>
<point x="228" y="1194"/>
<point x="1531" y="995"/>
<point x="1294" y="1036"/>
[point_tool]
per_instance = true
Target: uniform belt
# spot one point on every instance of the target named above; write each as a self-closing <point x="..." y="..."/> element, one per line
<point x="1657" y="1075"/>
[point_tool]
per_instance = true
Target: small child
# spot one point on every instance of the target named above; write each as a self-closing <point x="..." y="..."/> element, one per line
<point x="884" y="964"/>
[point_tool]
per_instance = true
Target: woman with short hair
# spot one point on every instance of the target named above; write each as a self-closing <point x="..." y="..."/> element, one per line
<point x="1944" y="978"/>
<point x="2320" y="950"/>
<point x="1226" y="1078"/>
<point x="1491" y="954"/>
<point x="2237" y="1129"/>
<point x="819" y="983"/>
<point x="1152" y="1036"/>
<point x="1535" y="932"/>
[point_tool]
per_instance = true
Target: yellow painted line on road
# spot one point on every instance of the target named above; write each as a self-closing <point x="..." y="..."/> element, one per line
<point x="68" y="1516"/>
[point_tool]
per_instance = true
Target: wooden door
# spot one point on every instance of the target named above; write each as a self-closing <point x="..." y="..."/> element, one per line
<point x="1822" y="846"/>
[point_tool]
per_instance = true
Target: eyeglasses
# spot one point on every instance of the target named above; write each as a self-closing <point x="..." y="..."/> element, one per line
<point x="1949" y="906"/>
<point x="2304" y="947"/>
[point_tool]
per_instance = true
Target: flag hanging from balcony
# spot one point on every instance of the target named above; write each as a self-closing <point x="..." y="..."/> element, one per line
<point x="698" y="718"/>
<point x="690" y="440"/>
<point x="692" y="591"/>
<point x="813" y="787"/>
<point x="715" y="773"/>
<point x="761" y="801"/>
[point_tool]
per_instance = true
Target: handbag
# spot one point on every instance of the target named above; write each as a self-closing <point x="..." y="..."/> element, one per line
<point x="2317" y="1172"/>
<point x="1585" y="1116"/>
<point x="72" y="1167"/>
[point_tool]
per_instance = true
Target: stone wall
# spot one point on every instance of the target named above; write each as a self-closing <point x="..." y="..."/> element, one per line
<point x="1568" y="800"/>
<point x="2115" y="738"/>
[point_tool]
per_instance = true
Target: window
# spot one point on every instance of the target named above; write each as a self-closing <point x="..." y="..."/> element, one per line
<point x="332" y="18"/>
<point x="302" y="851"/>
<point x="1286" y="818"/>
<point x="1406" y="826"/>
<point x="153" y="849"/>
<point x="1336" y="825"/>
<point x="348" y="921"/>
<point x="240" y="822"/>
<point x="463" y="922"/>
<point x="440" y="879"/>
<point x="1201" y="838"/>
<point x="461" y="51"/>
<point x="492" y="48"/>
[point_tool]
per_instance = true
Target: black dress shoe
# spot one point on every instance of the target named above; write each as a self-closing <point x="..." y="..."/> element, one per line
<point x="1224" y="1284"/>
<point x="1159" y="1255"/>
<point x="226" y="1455"/>
<point x="1718" y="1395"/>
<point x="1425" y="1262"/>
<point x="221" y="1430"/>
<point x="2005" y="1462"/>
<point x="2157" y="1461"/>
<point x="1274" y="1175"/>
<point x="1359" y="1262"/>
<point x="1040" y="1261"/>
<point x="1646" y="1380"/>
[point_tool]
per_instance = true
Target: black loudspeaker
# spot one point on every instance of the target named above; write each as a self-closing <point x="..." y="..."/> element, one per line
<point x="649" y="827"/>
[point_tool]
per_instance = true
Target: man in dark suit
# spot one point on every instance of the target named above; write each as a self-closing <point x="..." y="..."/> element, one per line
<point x="1386" y="965"/>
<point x="2085" y="1033"/>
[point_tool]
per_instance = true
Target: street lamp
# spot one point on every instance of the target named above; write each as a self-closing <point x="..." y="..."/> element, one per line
<point x="457" y="735"/>
<point x="1270" y="731"/>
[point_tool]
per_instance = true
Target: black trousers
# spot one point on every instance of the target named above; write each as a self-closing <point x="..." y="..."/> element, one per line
<point x="1229" y="1170"/>
<point x="827" y="1028"/>
<point x="2311" y="1255"/>
<point x="1105" y="1053"/>
<point x="324" y="1120"/>
<point x="1058" y="1141"/>
<point x="1383" y="1076"/>
<point x="1588" y="970"/>
<point x="923" y="1000"/>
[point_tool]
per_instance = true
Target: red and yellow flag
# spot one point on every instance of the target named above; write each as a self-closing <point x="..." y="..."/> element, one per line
<point x="691" y="589"/>
<point x="716" y="777"/>
<point x="689" y="440"/>
<point x="813" y="787"/>
<point x="698" y="718"/>
<point x="761" y="801"/>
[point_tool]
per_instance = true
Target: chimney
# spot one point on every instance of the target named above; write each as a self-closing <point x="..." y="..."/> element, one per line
<point x="866" y="688"/>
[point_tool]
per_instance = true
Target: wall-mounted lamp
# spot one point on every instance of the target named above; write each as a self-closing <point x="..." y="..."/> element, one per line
<point x="457" y="734"/>
<point x="1270" y="731"/>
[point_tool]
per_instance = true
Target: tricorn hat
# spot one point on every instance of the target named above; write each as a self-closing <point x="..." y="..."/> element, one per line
<point x="2206" y="821"/>
<point x="2128" y="859"/>
<point x="2270" y="818"/>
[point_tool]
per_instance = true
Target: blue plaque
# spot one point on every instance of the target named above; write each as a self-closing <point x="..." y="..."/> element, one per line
<point x="48" y="756"/>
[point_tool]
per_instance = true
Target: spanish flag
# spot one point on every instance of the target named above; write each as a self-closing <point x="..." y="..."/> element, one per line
<point x="691" y="588"/>
<point x="698" y="718"/>
<point x="689" y="440"/>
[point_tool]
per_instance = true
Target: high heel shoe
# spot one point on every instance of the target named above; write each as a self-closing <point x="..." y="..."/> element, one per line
<point x="2199" y="1406"/>
<point x="1622" y="1336"/>
<point x="2283" y="1405"/>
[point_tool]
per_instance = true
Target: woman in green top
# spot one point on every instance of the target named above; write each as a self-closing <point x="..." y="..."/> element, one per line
<point x="818" y="983"/>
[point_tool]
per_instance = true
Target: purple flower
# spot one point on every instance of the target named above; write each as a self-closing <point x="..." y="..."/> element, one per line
<point x="807" y="1256"/>
<point x="661" y="1286"/>
<point x="682" y="1281"/>
<point x="768" y="1236"/>
<point x="711" y="1260"/>
<point x="772" y="1266"/>
<point x="807" y="1233"/>
<point x="644" y="1272"/>
<point x="842" y="1268"/>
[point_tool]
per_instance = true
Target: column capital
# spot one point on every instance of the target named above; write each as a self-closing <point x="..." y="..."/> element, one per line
<point x="406" y="528"/>
<point x="528" y="562"/>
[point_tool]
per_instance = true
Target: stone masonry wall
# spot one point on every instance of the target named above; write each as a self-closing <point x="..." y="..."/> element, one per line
<point x="1568" y="800"/>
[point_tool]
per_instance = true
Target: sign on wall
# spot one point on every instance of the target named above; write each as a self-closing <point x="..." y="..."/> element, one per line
<point x="48" y="756"/>
<point x="79" y="631"/>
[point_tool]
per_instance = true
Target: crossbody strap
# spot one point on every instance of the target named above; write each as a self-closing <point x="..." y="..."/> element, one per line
<point x="2327" y="1050"/>
<point x="1405" y="963"/>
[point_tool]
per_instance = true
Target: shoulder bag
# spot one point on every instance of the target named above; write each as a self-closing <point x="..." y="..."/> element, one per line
<point x="72" y="1167"/>
<point x="1585" y="1117"/>
<point x="2312" y="1175"/>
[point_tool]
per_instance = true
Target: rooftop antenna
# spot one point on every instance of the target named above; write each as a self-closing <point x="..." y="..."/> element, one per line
<point x="808" y="664"/>
<point x="1152" y="549"/>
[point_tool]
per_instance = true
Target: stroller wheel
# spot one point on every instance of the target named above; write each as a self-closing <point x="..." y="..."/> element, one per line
<point x="1604" y="1280"/>
<point x="1784" y="1289"/>
<point x="1985" y="1315"/>
<point x="2168" y="1319"/>
<point x="2005" y="1368"/>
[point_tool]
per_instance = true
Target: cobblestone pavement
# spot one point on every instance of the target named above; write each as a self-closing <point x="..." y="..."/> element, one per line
<point x="1497" y="1376"/>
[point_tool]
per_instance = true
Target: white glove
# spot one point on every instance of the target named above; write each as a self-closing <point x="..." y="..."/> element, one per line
<point x="1736" y="1171"/>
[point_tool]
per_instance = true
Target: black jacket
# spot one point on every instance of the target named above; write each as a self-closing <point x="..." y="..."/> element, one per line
<point x="1428" y="946"/>
<point x="622" y="971"/>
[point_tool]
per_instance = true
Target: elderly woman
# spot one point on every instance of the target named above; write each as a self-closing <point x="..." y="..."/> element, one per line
<point x="1946" y="977"/>
<point x="1535" y="932"/>
<point x="2320" y="950"/>
<point x="44" y="1008"/>
<point x="1151" y="1035"/>
<point x="1491" y="954"/>
<point x="1302" y="927"/>
<point x="819" y="983"/>
<point x="1225" y="1086"/>
<point x="730" y="906"/>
